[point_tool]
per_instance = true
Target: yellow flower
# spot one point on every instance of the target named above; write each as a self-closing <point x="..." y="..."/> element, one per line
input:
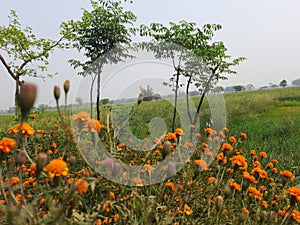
<point x="57" y="167"/>
<point x="6" y="144"/>
<point x="26" y="129"/>
<point x="187" y="210"/>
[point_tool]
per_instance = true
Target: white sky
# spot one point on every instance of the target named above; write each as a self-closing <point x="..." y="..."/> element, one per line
<point x="266" y="32"/>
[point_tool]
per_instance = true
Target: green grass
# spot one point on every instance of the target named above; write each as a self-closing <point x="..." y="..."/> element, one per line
<point x="271" y="118"/>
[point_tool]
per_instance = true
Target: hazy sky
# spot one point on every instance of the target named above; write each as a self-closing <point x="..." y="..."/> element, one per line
<point x="267" y="32"/>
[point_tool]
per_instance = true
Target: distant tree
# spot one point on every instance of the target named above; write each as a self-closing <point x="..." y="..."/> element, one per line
<point x="249" y="87"/>
<point x="283" y="83"/>
<point x="218" y="89"/>
<point x="22" y="53"/>
<point x="296" y="82"/>
<point x="102" y="35"/>
<point x="79" y="101"/>
<point x="104" y="101"/>
<point x="238" y="88"/>
<point x="148" y="93"/>
<point x="190" y="48"/>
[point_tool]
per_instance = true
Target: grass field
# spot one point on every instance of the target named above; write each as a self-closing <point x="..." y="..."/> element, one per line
<point x="226" y="177"/>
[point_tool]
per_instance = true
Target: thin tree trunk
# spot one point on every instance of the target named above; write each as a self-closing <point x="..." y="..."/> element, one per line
<point x="98" y="95"/>
<point x="187" y="99"/>
<point x="91" y="95"/>
<point x="176" y="94"/>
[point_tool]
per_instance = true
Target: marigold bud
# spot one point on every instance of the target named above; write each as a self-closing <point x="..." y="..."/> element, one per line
<point x="41" y="163"/>
<point x="171" y="170"/>
<point x="167" y="146"/>
<point x="56" y="92"/>
<point x="72" y="160"/>
<point x="141" y="97"/>
<point x="116" y="169"/>
<point x="21" y="159"/>
<point x="67" y="86"/>
<point x="27" y="97"/>
<point x="219" y="203"/>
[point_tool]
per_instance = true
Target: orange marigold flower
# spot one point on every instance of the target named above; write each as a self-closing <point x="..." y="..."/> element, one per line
<point x="239" y="160"/>
<point x="232" y="139"/>
<point x="171" y="136"/>
<point x="14" y="180"/>
<point x="270" y="165"/>
<point x="81" y="117"/>
<point x="287" y="174"/>
<point x="201" y="163"/>
<point x="253" y="192"/>
<point x="262" y="173"/>
<point x="187" y="210"/>
<point x="243" y="135"/>
<point x="116" y="217"/>
<point x="252" y="152"/>
<point x="212" y="180"/>
<point x="6" y="144"/>
<point x="263" y="154"/>
<point x="57" y="167"/>
<point x="274" y="161"/>
<point x="234" y="185"/>
<point x="208" y="130"/>
<point x="227" y="147"/>
<point x="170" y="185"/>
<point x="249" y="177"/>
<point x="296" y="215"/>
<point x="81" y="186"/>
<point x="256" y="164"/>
<point x="94" y="125"/>
<point x="179" y="132"/>
<point x="294" y="191"/>
<point x="26" y="129"/>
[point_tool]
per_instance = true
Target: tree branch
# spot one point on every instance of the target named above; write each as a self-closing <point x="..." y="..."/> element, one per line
<point x="8" y="68"/>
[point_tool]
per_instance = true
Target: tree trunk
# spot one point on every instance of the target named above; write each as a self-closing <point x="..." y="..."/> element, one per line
<point x="175" y="104"/>
<point x="98" y="94"/>
<point x="187" y="99"/>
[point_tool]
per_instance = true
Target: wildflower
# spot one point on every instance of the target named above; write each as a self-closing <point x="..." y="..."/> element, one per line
<point x="14" y="181"/>
<point x="253" y="192"/>
<point x="239" y="161"/>
<point x="57" y="167"/>
<point x="248" y="177"/>
<point x="6" y="144"/>
<point x="262" y="173"/>
<point x="170" y="185"/>
<point x="179" y="132"/>
<point x="252" y="152"/>
<point x="296" y="215"/>
<point x="295" y="192"/>
<point x="201" y="163"/>
<point x="243" y="135"/>
<point x="26" y="129"/>
<point x="94" y="125"/>
<point x="287" y="174"/>
<point x="187" y="210"/>
<point x="227" y="147"/>
<point x="234" y="185"/>
<point x="208" y="131"/>
<point x="232" y="139"/>
<point x="81" y="186"/>
<point x="263" y="154"/>
<point x="81" y="117"/>
<point x="171" y="136"/>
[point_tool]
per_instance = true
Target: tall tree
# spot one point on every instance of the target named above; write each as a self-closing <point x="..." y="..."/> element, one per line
<point x="102" y="34"/>
<point x="22" y="53"/>
<point x="202" y="61"/>
<point x="283" y="83"/>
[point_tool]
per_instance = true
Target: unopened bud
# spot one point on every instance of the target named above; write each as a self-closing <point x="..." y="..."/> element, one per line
<point x="171" y="170"/>
<point x="67" y="86"/>
<point x="56" y="92"/>
<point x="243" y="216"/>
<point x="263" y="215"/>
<point x="41" y="163"/>
<point x="116" y="169"/>
<point x="141" y="97"/>
<point x="219" y="203"/>
<point x="27" y="97"/>
<point x="72" y="160"/>
<point x="108" y="162"/>
<point x="21" y="159"/>
<point x="167" y="147"/>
